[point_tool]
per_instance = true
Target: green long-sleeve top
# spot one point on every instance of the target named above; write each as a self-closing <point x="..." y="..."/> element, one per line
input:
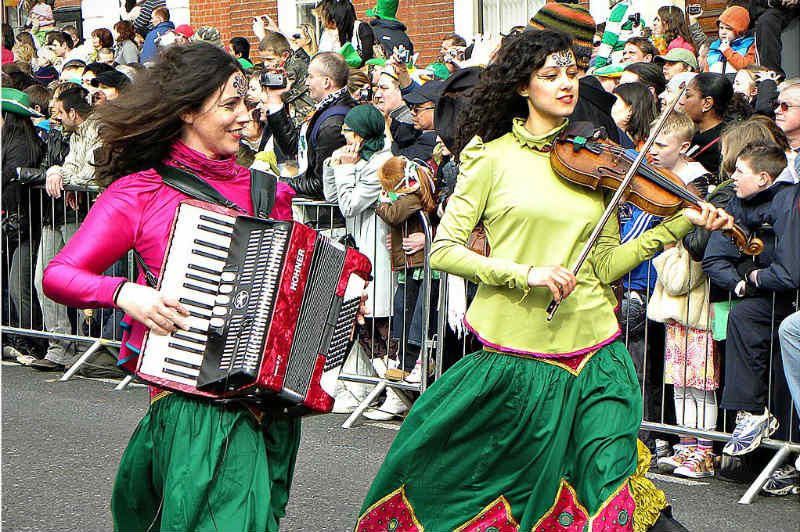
<point x="534" y="218"/>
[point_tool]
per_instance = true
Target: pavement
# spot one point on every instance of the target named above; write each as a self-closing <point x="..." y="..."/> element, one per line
<point x="61" y="444"/>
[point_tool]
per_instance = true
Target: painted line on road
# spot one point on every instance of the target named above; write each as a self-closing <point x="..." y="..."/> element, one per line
<point x="383" y="425"/>
<point x="675" y="480"/>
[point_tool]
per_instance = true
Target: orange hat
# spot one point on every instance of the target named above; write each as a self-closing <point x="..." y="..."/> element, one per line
<point x="737" y="18"/>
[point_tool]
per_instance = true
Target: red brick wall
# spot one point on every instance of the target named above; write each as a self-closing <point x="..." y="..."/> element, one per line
<point x="427" y="20"/>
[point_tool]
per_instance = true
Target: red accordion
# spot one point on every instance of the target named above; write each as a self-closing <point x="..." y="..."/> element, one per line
<point x="272" y="306"/>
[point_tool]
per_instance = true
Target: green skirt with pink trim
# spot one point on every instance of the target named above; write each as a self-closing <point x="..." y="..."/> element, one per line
<point x="506" y="443"/>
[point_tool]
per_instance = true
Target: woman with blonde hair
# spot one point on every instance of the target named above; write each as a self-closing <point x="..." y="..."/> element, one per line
<point x="305" y="38"/>
<point x="739" y="134"/>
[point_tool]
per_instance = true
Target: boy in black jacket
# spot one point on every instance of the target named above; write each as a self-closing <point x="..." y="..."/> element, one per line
<point x="767" y="207"/>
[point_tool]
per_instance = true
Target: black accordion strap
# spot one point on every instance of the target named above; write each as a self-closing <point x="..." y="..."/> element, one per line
<point x="263" y="187"/>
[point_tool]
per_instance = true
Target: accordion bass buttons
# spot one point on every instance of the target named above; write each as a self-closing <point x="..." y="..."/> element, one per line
<point x="225" y="288"/>
<point x="228" y="277"/>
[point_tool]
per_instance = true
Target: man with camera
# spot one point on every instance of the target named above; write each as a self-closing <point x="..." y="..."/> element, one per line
<point x="320" y="135"/>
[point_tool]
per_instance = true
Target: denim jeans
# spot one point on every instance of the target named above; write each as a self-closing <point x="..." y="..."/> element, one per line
<point x="56" y="318"/>
<point x="790" y="351"/>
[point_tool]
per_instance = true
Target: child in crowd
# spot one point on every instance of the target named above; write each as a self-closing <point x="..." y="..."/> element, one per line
<point x="681" y="301"/>
<point x="638" y="50"/>
<point x="765" y="206"/>
<point x="634" y="110"/>
<point x="735" y="48"/>
<point x="407" y="191"/>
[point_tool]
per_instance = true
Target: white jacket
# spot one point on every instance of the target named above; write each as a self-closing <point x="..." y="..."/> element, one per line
<point x="681" y="291"/>
<point x="356" y="188"/>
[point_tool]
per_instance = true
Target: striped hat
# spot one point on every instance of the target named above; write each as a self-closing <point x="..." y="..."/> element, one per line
<point x="573" y="19"/>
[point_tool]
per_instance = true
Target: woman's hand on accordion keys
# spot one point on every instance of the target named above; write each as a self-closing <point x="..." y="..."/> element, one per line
<point x="162" y="315"/>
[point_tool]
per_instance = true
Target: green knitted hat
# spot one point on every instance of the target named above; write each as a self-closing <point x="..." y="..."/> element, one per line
<point x="385" y="9"/>
<point x="350" y="55"/>
<point x="572" y="19"/>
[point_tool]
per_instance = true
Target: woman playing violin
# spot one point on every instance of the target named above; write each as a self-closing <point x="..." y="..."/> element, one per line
<point x="539" y="427"/>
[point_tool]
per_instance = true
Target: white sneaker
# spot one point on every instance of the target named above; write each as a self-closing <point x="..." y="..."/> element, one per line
<point x="345" y="403"/>
<point x="392" y="407"/>
<point x="379" y="364"/>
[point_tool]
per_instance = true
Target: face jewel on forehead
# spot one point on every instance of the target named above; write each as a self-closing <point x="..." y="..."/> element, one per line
<point x="240" y="85"/>
<point x="563" y="58"/>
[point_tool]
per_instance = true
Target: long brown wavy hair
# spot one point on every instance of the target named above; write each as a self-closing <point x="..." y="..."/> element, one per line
<point x="494" y="102"/>
<point x="138" y="128"/>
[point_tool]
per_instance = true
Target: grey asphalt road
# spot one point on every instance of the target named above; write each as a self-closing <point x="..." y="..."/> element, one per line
<point x="61" y="443"/>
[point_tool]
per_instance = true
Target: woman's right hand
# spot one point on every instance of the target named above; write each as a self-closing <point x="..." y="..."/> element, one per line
<point x="558" y="279"/>
<point x="148" y="306"/>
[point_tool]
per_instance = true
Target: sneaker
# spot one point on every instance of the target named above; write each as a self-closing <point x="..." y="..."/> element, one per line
<point x="415" y="377"/>
<point x="392" y="407"/>
<point x="699" y="464"/>
<point x="345" y="403"/>
<point x="26" y="360"/>
<point x="749" y="431"/>
<point x="11" y="353"/>
<point x="783" y="481"/>
<point x="47" y="365"/>
<point x="396" y="374"/>
<point x="662" y="448"/>
<point x="669" y="464"/>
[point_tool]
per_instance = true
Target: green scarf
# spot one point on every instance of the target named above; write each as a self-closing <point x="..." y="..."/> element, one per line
<point x="368" y="122"/>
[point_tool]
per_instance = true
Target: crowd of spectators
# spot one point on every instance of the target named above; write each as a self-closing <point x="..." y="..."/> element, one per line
<point x="350" y="118"/>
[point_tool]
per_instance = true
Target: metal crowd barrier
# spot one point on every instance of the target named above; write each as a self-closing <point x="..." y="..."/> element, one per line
<point x="46" y="224"/>
<point x="326" y="218"/>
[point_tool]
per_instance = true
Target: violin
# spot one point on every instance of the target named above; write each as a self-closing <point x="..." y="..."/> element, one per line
<point x="594" y="163"/>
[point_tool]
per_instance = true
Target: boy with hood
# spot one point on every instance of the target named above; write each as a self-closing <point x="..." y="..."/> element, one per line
<point x="389" y="31"/>
<point x="735" y="48"/>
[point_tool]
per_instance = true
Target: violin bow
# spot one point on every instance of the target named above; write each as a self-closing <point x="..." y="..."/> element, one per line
<point x="617" y="197"/>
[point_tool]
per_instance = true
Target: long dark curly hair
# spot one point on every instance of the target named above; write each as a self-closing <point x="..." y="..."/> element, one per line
<point x="494" y="101"/>
<point x="138" y="128"/>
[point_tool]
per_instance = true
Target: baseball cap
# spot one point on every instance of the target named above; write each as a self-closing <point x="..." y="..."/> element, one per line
<point x="185" y="30"/>
<point x="679" y="55"/>
<point x="428" y="92"/>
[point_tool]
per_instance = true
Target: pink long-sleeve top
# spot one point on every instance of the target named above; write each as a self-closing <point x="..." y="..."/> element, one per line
<point x="136" y="212"/>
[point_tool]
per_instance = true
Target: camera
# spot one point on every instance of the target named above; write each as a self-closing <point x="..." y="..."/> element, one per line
<point x="403" y="54"/>
<point x="454" y="55"/>
<point x="636" y="18"/>
<point x="272" y="80"/>
<point x="694" y="9"/>
<point x="365" y="94"/>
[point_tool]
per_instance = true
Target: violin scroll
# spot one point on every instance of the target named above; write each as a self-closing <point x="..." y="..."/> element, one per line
<point x="747" y="245"/>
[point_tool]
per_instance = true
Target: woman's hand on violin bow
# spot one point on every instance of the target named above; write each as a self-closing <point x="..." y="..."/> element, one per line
<point x="558" y="279"/>
<point x="709" y="217"/>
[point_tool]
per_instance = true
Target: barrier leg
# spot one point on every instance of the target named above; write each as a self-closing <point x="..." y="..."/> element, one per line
<point x="377" y="390"/>
<point x="84" y="357"/>
<point x="123" y="383"/>
<point x="773" y="464"/>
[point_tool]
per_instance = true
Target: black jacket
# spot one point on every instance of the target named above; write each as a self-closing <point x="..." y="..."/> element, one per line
<point x="391" y="34"/>
<point x="696" y="241"/>
<point x="328" y="139"/>
<point x="774" y="216"/>
<point x="18" y="199"/>
<point x="594" y="105"/>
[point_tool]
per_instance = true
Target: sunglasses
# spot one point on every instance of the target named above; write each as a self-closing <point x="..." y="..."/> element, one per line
<point x="785" y="106"/>
<point x="419" y="109"/>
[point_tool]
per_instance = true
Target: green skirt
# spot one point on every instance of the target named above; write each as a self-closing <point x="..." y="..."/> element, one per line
<point x="194" y="466"/>
<point x="506" y="443"/>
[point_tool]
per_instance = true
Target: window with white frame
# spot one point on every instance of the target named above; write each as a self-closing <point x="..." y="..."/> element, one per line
<point x="499" y="16"/>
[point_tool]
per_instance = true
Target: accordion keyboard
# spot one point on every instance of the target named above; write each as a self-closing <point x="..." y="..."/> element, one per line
<point x="197" y="254"/>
